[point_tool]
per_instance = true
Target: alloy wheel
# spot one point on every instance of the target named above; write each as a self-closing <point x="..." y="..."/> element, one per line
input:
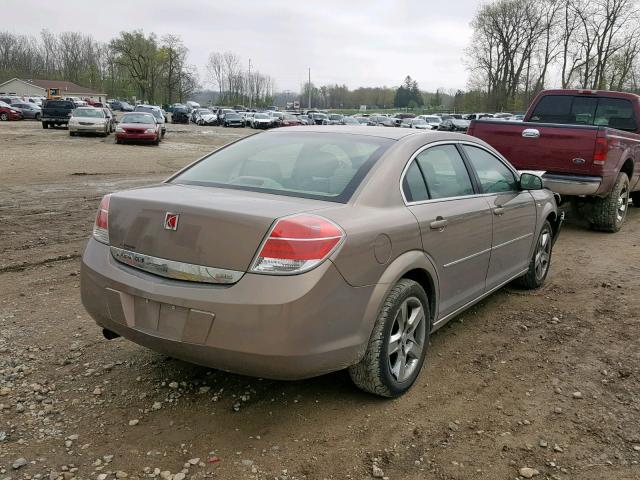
<point x="407" y="339"/>
<point x="623" y="204"/>
<point x="543" y="254"/>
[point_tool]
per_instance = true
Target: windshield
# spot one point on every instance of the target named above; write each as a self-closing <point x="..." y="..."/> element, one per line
<point x="335" y="117"/>
<point x="260" y="116"/>
<point x="313" y="165"/>
<point x="232" y="116"/>
<point x="137" y="118"/>
<point x="88" y="113"/>
<point x="418" y="122"/>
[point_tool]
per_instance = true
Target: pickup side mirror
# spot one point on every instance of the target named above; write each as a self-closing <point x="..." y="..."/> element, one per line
<point x="529" y="181"/>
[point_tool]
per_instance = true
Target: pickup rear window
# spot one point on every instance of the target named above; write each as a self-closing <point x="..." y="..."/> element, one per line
<point x="59" y="104"/>
<point x="585" y="110"/>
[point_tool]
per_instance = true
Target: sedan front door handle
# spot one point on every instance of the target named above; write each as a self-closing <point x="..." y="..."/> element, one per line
<point x="498" y="211"/>
<point x="439" y="223"/>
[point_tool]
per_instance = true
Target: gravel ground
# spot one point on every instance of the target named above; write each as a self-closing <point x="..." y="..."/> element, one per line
<point x="542" y="384"/>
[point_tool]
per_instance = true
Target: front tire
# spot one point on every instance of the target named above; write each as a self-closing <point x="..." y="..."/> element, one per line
<point x="4" y="117"/>
<point x="398" y="344"/>
<point x="45" y="125"/>
<point x="541" y="260"/>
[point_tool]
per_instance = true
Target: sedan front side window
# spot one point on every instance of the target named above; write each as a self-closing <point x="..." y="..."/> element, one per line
<point x="494" y="176"/>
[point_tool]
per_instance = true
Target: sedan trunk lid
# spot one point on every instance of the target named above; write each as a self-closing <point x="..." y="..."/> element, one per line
<point x="215" y="227"/>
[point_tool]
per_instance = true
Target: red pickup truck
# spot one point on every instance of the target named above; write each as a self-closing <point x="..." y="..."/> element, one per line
<point x="588" y="144"/>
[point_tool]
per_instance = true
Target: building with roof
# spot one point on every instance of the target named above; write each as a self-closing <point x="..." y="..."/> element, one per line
<point x="38" y="88"/>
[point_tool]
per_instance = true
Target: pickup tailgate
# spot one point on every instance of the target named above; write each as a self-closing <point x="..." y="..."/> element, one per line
<point x="540" y="146"/>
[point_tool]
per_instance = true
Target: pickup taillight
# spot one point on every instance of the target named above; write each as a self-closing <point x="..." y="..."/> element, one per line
<point x="471" y="127"/>
<point x="601" y="151"/>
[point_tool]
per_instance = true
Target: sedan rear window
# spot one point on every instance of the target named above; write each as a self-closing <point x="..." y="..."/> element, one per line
<point x="312" y="165"/>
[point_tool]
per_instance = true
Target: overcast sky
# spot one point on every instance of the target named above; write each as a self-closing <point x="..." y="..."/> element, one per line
<point x="356" y="42"/>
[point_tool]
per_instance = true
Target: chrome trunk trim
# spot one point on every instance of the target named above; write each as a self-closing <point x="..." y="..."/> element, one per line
<point x="176" y="270"/>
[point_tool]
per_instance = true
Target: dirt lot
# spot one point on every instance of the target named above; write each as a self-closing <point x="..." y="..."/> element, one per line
<point x="499" y="392"/>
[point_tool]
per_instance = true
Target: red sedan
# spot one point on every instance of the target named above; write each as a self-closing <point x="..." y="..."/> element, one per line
<point x="290" y="121"/>
<point x="138" y="126"/>
<point x="7" y="112"/>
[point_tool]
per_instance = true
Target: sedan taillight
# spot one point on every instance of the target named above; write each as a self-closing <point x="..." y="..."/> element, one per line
<point x="297" y="244"/>
<point x="101" y="227"/>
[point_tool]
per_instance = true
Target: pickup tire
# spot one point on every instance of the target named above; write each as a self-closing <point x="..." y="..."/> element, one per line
<point x="45" y="125"/>
<point x="609" y="213"/>
<point x="382" y="371"/>
<point x="540" y="262"/>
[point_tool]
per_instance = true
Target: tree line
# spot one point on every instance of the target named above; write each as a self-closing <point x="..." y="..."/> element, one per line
<point x="131" y="65"/>
<point x="520" y="47"/>
<point x="237" y="84"/>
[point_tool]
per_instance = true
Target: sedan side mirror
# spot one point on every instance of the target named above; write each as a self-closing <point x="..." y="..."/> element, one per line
<point x="529" y="181"/>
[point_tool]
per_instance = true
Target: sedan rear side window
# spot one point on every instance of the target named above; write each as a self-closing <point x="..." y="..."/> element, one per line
<point x="445" y="172"/>
<point x="413" y="184"/>
<point x="311" y="165"/>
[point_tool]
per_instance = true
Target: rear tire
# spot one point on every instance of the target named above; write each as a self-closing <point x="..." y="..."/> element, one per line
<point x="37" y="117"/>
<point x="540" y="262"/>
<point x="45" y="125"/>
<point x="398" y="344"/>
<point x="609" y="213"/>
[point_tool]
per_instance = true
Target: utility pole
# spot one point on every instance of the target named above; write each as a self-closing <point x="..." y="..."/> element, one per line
<point x="250" y="92"/>
<point x="309" y="88"/>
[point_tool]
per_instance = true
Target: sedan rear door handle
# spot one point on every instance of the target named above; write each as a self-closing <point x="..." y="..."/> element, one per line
<point x="498" y="211"/>
<point x="439" y="223"/>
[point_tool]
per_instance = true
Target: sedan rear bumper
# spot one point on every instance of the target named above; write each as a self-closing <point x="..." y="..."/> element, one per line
<point x="281" y="327"/>
<point x="572" y="184"/>
<point x="87" y="128"/>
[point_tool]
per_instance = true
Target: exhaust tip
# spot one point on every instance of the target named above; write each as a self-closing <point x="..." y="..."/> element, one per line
<point x="109" y="335"/>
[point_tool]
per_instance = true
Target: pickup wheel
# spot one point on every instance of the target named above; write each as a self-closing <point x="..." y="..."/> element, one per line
<point x="635" y="196"/>
<point x="540" y="262"/>
<point x="398" y="343"/>
<point x="609" y="213"/>
<point x="45" y="125"/>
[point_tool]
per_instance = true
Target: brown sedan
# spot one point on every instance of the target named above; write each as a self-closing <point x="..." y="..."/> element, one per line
<point x="301" y="251"/>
